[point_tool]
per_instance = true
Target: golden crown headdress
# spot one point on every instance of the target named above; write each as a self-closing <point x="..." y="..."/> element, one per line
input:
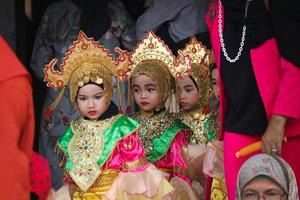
<point x="153" y="48"/>
<point x="199" y="55"/>
<point x="86" y="60"/>
<point x="201" y="60"/>
<point x="156" y="59"/>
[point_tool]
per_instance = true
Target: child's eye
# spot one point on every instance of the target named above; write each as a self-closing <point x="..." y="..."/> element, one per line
<point x="82" y="98"/>
<point x="98" y="97"/>
<point x="189" y="89"/>
<point x="151" y="89"/>
<point x="135" y="90"/>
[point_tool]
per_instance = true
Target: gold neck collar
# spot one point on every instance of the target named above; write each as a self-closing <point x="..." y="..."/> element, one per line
<point x="195" y="113"/>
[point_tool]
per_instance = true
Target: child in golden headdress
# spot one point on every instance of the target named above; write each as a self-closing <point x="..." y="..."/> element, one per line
<point x="103" y="153"/>
<point x="194" y="92"/>
<point x="150" y="77"/>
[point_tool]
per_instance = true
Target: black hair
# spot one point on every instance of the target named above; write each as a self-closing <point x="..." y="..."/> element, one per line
<point x="194" y="81"/>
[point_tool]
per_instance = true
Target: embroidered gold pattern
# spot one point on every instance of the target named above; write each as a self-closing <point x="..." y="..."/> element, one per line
<point x="85" y="149"/>
<point x="134" y="164"/>
<point x="152" y="127"/>
<point x="196" y="122"/>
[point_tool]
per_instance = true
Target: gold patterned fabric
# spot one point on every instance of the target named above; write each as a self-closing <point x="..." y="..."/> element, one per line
<point x="153" y="127"/>
<point x="201" y="124"/>
<point x="134" y="164"/>
<point x="85" y="149"/>
<point x="197" y="125"/>
<point x="218" y="190"/>
<point x="102" y="184"/>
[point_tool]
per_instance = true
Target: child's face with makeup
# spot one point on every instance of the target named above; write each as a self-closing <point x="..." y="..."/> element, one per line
<point x="91" y="101"/>
<point x="188" y="92"/>
<point x="146" y="93"/>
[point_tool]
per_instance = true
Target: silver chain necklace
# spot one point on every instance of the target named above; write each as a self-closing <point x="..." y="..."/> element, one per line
<point x="220" y="24"/>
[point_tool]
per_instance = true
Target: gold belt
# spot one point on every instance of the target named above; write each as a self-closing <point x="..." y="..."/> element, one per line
<point x="103" y="182"/>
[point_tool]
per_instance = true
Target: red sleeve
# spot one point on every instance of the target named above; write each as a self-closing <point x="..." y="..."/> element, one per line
<point x="17" y="129"/>
<point x="287" y="101"/>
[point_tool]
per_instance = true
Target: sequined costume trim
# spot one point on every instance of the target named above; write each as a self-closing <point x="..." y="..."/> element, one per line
<point x="87" y="145"/>
<point x="201" y="126"/>
<point x="157" y="133"/>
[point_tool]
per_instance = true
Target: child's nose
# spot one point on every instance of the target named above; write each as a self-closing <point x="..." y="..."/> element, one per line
<point x="91" y="103"/>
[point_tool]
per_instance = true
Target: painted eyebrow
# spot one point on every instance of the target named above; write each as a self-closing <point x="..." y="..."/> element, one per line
<point x="134" y="85"/>
<point x="84" y="95"/>
<point x="147" y="85"/>
<point x="150" y="85"/>
<point x="98" y="93"/>
<point x="188" y="86"/>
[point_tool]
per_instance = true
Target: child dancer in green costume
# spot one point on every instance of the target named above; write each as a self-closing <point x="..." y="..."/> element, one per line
<point x="164" y="137"/>
<point x="103" y="152"/>
<point x="194" y="93"/>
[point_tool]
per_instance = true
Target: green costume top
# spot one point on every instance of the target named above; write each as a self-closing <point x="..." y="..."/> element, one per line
<point x="157" y="133"/>
<point x="88" y="144"/>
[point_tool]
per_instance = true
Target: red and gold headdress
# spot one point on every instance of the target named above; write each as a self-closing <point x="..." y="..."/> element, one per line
<point x="85" y="61"/>
<point x="153" y="48"/>
<point x="153" y="58"/>
<point x="201" y="59"/>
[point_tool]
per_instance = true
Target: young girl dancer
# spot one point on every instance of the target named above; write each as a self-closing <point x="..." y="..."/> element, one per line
<point x="103" y="153"/>
<point x="194" y="92"/>
<point x="163" y="136"/>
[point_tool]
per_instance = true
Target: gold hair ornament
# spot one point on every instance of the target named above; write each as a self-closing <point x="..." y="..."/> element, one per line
<point x="201" y="59"/>
<point x="153" y="58"/>
<point x="85" y="61"/>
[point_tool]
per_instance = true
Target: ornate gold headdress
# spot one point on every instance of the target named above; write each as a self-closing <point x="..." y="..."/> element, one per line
<point x="85" y="61"/>
<point x="153" y="58"/>
<point x="201" y="59"/>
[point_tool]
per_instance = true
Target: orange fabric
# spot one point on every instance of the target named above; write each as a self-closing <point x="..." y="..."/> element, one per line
<point x="16" y="126"/>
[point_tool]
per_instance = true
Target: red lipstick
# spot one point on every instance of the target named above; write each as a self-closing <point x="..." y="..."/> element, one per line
<point x="183" y="104"/>
<point x="91" y="113"/>
<point x="143" y="103"/>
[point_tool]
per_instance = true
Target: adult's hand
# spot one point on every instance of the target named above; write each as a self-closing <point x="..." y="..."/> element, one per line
<point x="273" y="137"/>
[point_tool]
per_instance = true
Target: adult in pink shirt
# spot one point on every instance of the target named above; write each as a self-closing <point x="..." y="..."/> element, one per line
<point x="259" y="80"/>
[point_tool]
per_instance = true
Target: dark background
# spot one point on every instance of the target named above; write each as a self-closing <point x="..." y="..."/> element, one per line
<point x="19" y="31"/>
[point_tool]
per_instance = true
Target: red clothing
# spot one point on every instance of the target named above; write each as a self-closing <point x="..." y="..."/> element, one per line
<point x="40" y="178"/>
<point x="16" y="125"/>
